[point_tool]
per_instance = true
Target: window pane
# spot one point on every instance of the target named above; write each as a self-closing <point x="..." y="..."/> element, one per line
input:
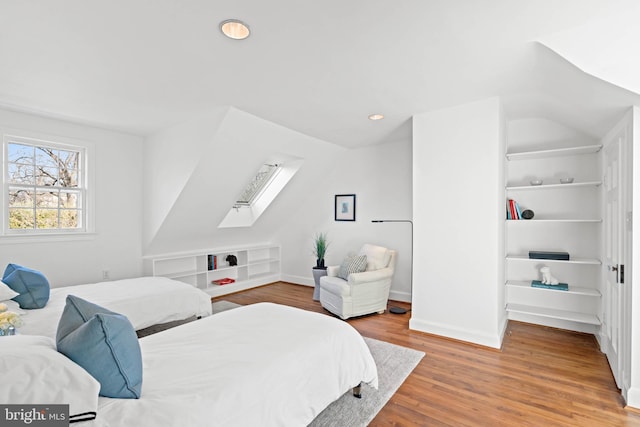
<point x="69" y="200"/>
<point x="46" y="218"/>
<point x="47" y="199"/>
<point x="19" y="198"/>
<point x="46" y="176"/>
<point x="20" y="174"/>
<point x="20" y="218"/>
<point x="47" y="157"/>
<point x="19" y="153"/>
<point x="68" y="178"/>
<point x="70" y="159"/>
<point x="69" y="219"/>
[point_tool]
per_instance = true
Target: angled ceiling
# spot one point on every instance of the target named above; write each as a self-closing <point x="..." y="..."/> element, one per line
<point x="319" y="68"/>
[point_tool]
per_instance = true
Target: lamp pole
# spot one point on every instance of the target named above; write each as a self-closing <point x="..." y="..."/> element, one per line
<point x="400" y="310"/>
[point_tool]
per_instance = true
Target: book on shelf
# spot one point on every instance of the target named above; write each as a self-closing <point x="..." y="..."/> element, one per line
<point x="513" y="210"/>
<point x="212" y="262"/>
<point x="559" y="256"/>
<point x="224" y="281"/>
<point x="558" y="287"/>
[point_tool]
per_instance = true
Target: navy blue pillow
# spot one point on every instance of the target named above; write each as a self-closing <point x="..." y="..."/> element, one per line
<point x="105" y="344"/>
<point x="32" y="286"/>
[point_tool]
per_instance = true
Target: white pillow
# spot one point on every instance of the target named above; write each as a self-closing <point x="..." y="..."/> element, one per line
<point x="32" y="371"/>
<point x="377" y="256"/>
<point x="6" y="292"/>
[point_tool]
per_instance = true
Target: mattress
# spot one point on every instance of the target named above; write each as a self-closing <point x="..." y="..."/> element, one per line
<point x="146" y="301"/>
<point x="257" y="365"/>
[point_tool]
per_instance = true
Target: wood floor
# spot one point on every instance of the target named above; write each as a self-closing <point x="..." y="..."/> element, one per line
<point x="541" y="377"/>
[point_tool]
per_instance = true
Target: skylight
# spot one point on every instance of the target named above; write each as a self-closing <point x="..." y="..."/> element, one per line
<point x="257" y="185"/>
<point x="261" y="191"/>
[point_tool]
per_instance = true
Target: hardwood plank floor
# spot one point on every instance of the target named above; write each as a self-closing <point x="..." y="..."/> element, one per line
<point x="541" y="377"/>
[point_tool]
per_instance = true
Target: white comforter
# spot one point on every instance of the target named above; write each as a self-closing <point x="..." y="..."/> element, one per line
<point x="257" y="365"/>
<point x="145" y="301"/>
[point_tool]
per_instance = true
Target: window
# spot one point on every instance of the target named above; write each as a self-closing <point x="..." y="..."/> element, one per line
<point x="261" y="191"/>
<point x="44" y="187"/>
<point x="259" y="182"/>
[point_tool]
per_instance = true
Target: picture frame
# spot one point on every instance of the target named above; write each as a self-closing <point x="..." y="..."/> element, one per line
<point x="345" y="207"/>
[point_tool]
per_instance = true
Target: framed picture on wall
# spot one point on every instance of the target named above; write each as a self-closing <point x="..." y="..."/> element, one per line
<point x="345" y="207"/>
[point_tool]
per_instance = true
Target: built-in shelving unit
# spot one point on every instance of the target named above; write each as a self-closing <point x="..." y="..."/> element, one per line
<point x="568" y="218"/>
<point x="256" y="266"/>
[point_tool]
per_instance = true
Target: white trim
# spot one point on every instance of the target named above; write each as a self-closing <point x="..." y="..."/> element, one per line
<point x="476" y="337"/>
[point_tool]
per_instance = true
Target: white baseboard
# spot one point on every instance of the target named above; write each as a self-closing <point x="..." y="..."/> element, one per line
<point x="475" y="337"/>
<point x="633" y="397"/>
<point x="399" y="296"/>
<point x="298" y="280"/>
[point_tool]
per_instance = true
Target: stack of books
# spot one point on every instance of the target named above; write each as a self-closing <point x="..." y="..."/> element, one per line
<point x="558" y="287"/>
<point x="513" y="210"/>
<point x="558" y="256"/>
<point x="224" y="281"/>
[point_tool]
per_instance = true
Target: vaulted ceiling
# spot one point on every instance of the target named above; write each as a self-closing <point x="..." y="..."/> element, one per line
<point x="319" y="68"/>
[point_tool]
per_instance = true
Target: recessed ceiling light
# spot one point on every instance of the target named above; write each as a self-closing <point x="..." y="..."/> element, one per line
<point x="235" y="29"/>
<point x="376" y="117"/>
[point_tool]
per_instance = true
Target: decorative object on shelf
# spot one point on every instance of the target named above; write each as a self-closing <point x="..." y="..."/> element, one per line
<point x="9" y="321"/>
<point x="345" y="207"/>
<point x="567" y="180"/>
<point x="400" y="310"/>
<point x="535" y="182"/>
<point x="558" y="256"/>
<point x="558" y="287"/>
<point x="527" y="214"/>
<point x="320" y="245"/>
<point x="547" y="277"/>
<point x="232" y="260"/>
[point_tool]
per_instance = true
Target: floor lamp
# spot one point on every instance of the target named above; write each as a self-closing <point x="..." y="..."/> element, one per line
<point x="400" y="310"/>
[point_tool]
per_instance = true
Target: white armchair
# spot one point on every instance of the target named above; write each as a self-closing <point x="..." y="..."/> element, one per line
<point x="364" y="292"/>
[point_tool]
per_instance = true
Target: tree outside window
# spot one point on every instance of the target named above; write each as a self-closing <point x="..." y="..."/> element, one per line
<point x="45" y="187"/>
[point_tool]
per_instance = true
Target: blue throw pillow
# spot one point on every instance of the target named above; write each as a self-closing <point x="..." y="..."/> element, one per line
<point x="32" y="286"/>
<point x="105" y="344"/>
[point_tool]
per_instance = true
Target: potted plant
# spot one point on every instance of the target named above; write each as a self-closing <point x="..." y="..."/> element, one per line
<point x="320" y="245"/>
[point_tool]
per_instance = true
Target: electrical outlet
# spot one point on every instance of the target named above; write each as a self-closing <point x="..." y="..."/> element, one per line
<point x="105" y="274"/>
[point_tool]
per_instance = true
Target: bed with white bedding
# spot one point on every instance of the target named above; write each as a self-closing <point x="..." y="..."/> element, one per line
<point x="257" y="365"/>
<point x="146" y="301"/>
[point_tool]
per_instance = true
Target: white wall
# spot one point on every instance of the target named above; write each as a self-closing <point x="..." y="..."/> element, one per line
<point x="380" y="177"/>
<point x="115" y="246"/>
<point x="194" y="171"/>
<point x="458" y="205"/>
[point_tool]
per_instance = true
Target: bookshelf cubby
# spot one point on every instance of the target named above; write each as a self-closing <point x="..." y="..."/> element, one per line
<point x="567" y="217"/>
<point x="256" y="266"/>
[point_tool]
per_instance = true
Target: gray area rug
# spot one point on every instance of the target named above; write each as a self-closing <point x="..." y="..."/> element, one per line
<point x="394" y="364"/>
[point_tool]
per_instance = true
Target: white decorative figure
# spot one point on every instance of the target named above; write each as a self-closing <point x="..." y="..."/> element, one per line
<point x="547" y="278"/>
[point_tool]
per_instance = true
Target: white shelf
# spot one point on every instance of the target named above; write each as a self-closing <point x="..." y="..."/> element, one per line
<point x="552" y="220"/>
<point x="257" y="266"/>
<point x="556" y="152"/>
<point x="586" y="261"/>
<point x="571" y="316"/>
<point x="553" y="186"/>
<point x="573" y="290"/>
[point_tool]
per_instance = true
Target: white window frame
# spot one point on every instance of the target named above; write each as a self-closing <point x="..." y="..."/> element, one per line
<point x="85" y="185"/>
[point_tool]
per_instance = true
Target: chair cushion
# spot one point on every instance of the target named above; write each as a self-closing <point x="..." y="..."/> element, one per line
<point x="105" y="344"/>
<point x="356" y="264"/>
<point x="377" y="256"/>
<point x="335" y="285"/>
<point x="32" y="286"/>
